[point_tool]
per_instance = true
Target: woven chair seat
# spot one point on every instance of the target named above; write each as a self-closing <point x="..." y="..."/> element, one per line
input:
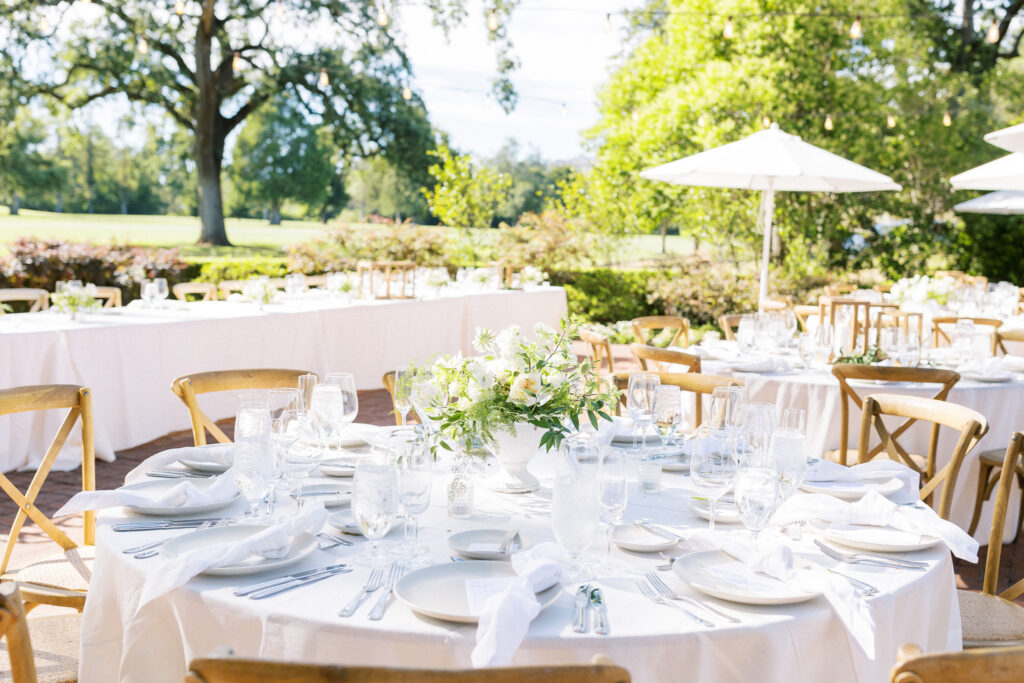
<point x="990" y="621"/>
<point x="55" y="642"/>
<point x="56" y="571"/>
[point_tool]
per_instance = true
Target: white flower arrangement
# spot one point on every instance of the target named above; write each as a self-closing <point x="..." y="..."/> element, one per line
<point x="514" y="380"/>
<point x="340" y="283"/>
<point x="920" y="289"/>
<point x="75" y="300"/>
<point x="531" y="276"/>
<point x="436" y="278"/>
<point x="259" y="291"/>
<point x="483" y="276"/>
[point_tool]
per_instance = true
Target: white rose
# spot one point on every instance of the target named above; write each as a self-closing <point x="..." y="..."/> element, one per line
<point x="525" y="389"/>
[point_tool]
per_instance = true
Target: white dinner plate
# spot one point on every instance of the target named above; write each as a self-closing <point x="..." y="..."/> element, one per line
<point x="721" y="576"/>
<point x="208" y="466"/>
<point x="331" y="500"/>
<point x="878" y="539"/>
<point x="994" y="378"/>
<point x="632" y="537"/>
<point x="158" y="486"/>
<point x="677" y="463"/>
<point x="342" y="522"/>
<point x="725" y="513"/>
<point x="852" y="490"/>
<point x="440" y="591"/>
<point x="339" y="467"/>
<point x="302" y="545"/>
<point x="482" y="544"/>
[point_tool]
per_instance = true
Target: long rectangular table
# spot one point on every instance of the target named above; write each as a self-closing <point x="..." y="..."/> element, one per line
<point x="128" y="357"/>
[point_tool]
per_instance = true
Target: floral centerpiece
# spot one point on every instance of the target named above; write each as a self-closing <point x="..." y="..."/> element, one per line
<point x="259" y="291"/>
<point x="75" y="300"/>
<point x="484" y="277"/>
<point x="531" y="276"/>
<point x="920" y="289"/>
<point x="340" y="283"/>
<point x="436" y="278"/>
<point x="516" y="396"/>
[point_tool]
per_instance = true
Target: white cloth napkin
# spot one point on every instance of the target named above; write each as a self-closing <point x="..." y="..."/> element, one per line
<point x="763" y="365"/>
<point x="874" y="509"/>
<point x="1013" y="363"/>
<point x="222" y="489"/>
<point x="607" y="431"/>
<point x="507" y="615"/>
<point x="269" y="542"/>
<point x="222" y="453"/>
<point x="879" y="471"/>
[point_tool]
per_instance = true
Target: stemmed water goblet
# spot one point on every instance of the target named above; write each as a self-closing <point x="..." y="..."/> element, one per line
<point x="403" y="389"/>
<point x="575" y="510"/>
<point x="758" y="423"/>
<point x="162" y="291"/>
<point x="668" y="414"/>
<point x="374" y="504"/>
<point x="409" y="450"/>
<point x="786" y="452"/>
<point x="641" y="394"/>
<point x="613" y="487"/>
<point x="282" y="399"/>
<point x="713" y="467"/>
<point x="346" y="381"/>
<point x="326" y="407"/>
<point x="757" y="495"/>
<point x="298" y="453"/>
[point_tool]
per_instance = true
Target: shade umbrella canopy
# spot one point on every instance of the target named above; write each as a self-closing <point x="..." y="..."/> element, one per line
<point x="1005" y="173"/>
<point x="1011" y="139"/>
<point x="771" y="160"/>
<point x="1005" y="203"/>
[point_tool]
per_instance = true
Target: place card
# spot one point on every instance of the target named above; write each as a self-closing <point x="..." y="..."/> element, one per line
<point x="478" y="591"/>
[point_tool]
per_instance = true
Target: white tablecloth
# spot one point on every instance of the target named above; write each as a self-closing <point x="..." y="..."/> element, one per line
<point x="128" y="357"/>
<point x="790" y="643"/>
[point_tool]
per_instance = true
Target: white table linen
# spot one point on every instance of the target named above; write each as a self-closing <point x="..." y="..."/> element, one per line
<point x="801" y="642"/>
<point x="128" y="357"/>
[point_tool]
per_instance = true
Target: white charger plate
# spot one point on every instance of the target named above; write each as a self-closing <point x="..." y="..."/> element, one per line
<point x="333" y="500"/>
<point x="339" y="467"/>
<point x="161" y="485"/>
<point x="342" y="522"/>
<point x="725" y="513"/>
<point x="719" y="575"/>
<point x="632" y="537"/>
<point x="852" y="490"/>
<point x="440" y="591"/>
<point x="463" y="541"/>
<point x="302" y="545"/>
<point x="207" y="466"/>
<point x="879" y="539"/>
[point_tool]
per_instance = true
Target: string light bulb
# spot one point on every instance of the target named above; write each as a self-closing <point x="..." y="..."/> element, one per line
<point x="890" y="121"/>
<point x="701" y="121"/>
<point x="828" y="122"/>
<point x="323" y="80"/>
<point x="179" y="7"/>
<point x="143" y="46"/>
<point x="492" y="21"/>
<point x="856" y="29"/>
<point x="993" y="32"/>
<point x="236" y="62"/>
<point x="382" y="17"/>
<point x="947" y="119"/>
<point x="729" y="30"/>
<point x="44" y="25"/>
<point x="406" y="93"/>
<point x="635" y="117"/>
<point x="766" y="121"/>
<point x="279" y="10"/>
<point x="608" y="23"/>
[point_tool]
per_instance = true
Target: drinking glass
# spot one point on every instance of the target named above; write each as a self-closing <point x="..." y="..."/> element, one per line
<point x="789" y="323"/>
<point x="786" y="452"/>
<point x="253" y="399"/>
<point x="300" y="453"/>
<point x="161" y="287"/>
<point x="251" y="422"/>
<point x="327" y="407"/>
<point x="758" y="423"/>
<point x="910" y="352"/>
<point x="575" y="510"/>
<point x="713" y="467"/>
<point x="807" y="346"/>
<point x="374" y="504"/>
<point x="415" y="470"/>
<point x="285" y="434"/>
<point x="282" y="399"/>
<point x="346" y="381"/>
<point x="613" y="488"/>
<point x="149" y="293"/>
<point x="306" y="384"/>
<point x="640" y="397"/>
<point x="765" y="337"/>
<point x="757" y="494"/>
<point x="648" y="472"/>
<point x="668" y="413"/>
<point x="727" y="408"/>
<point x="825" y="335"/>
<point x="294" y="284"/>
<point x="403" y="392"/>
<point x="746" y="334"/>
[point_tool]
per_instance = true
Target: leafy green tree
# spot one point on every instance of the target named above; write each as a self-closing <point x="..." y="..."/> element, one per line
<point x="534" y="182"/>
<point x="24" y="167"/>
<point x="464" y="195"/>
<point x="211" y="64"/>
<point x="379" y="187"/>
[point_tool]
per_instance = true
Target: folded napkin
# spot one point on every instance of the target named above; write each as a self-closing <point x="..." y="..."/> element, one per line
<point x="772" y="557"/>
<point x="874" y="509"/>
<point x="879" y="471"/>
<point x="1013" y="363"/>
<point x="222" y="453"/>
<point x="507" y="615"/>
<point x="221" y="489"/>
<point x="764" y="365"/>
<point x="271" y="541"/>
<point x="607" y="431"/>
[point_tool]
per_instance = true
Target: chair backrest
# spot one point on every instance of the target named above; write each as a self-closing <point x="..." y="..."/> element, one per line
<point x="883" y="287"/>
<point x="693" y="382"/>
<point x="187" y="388"/>
<point x="730" y="322"/>
<point x="1013" y="465"/>
<point x="111" y="296"/>
<point x="803" y="312"/>
<point x="399" y="279"/>
<point x="776" y="303"/>
<point x="206" y="290"/>
<point x="231" y="670"/>
<point x="970" y="424"/>
<point x="1011" y="335"/>
<point x="840" y="289"/>
<point x="14" y="627"/>
<point x="38" y="299"/>
<point x="659" y="359"/>
<point x="977" y="665"/>
<point x="906" y="321"/>
<point x="663" y="322"/>
<point x="78" y="401"/>
<point x="940" y="335"/>
<point x="600" y="349"/>
<point x="956" y="274"/>
<point x="389" y="383"/>
<point x="844" y="372"/>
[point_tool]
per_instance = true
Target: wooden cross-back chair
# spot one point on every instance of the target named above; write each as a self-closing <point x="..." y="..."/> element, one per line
<point x="844" y="372"/>
<point x="21" y="663"/>
<point x="776" y="303"/>
<point x="110" y="296"/>
<point x="207" y="291"/>
<point x="659" y="359"/>
<point x="232" y="670"/>
<point x="662" y="322"/>
<point x="692" y="382"/>
<point x="990" y="471"/>
<point x="600" y="350"/>
<point x="37" y="299"/>
<point x="40" y="649"/>
<point x="389" y="383"/>
<point x="863" y="313"/>
<point x="399" y="279"/>
<point x="883" y="287"/>
<point x="940" y="335"/>
<point x="970" y="424"/>
<point x="905" y="321"/>
<point x="988" y="665"/>
<point x="62" y="579"/>
<point x="840" y="289"/>
<point x="1011" y="335"/>
<point x="730" y="322"/>
<point x="990" y="618"/>
<point x="805" y="311"/>
<point x="228" y="287"/>
<point x="187" y="388"/>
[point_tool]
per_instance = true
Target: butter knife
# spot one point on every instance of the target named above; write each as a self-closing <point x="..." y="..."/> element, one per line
<point x="579" y="616"/>
<point x="600" y="612"/>
<point x="658" y="531"/>
<point x="246" y="590"/>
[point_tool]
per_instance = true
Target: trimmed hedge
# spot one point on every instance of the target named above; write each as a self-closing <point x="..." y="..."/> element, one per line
<point x="218" y="271"/>
<point x="604" y="295"/>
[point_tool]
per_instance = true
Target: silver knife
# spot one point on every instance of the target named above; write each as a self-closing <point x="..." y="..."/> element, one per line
<point x="579" y="616"/>
<point x="658" y="531"/>
<point x="337" y="492"/>
<point x="245" y="590"/>
<point x="508" y="542"/>
<point x="600" y="611"/>
<point x="295" y="583"/>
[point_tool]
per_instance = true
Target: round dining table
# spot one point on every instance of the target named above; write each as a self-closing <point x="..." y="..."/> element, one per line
<point x="797" y="642"/>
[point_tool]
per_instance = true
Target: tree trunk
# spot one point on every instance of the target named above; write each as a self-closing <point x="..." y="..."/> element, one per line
<point x="15" y="205"/>
<point x="210" y="131"/>
<point x="664" y="236"/>
<point x="59" y="206"/>
<point x="275" y="214"/>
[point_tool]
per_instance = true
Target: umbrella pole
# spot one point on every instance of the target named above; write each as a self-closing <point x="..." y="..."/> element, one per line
<point x="767" y="209"/>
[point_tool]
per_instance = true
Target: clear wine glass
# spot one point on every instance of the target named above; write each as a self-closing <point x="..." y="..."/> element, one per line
<point x="403" y="392"/>
<point x="575" y="510"/>
<point x="374" y="504"/>
<point x="713" y="467"/>
<point x="281" y="399"/>
<point x="161" y="288"/>
<point x="149" y="293"/>
<point x="613" y="487"/>
<point x="415" y="474"/>
<point x="746" y="334"/>
<point x="825" y="334"/>
<point x="758" y="423"/>
<point x="641" y="394"/>
<point x="786" y="451"/>
<point x="807" y="347"/>
<point x="327" y="407"/>
<point x="346" y="381"/>
<point x="668" y="414"/>
<point x="251" y="422"/>
<point x="306" y="384"/>
<point x="299" y="449"/>
<point x="757" y="495"/>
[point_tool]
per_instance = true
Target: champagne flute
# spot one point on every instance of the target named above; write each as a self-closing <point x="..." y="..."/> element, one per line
<point x="326" y="407"/>
<point x="346" y="381"/>
<point x="612" y="494"/>
<point x="415" y="472"/>
<point x="713" y="467"/>
<point x="374" y="504"/>
<point x="640" y="396"/>
<point x="758" y="424"/>
<point x="403" y="392"/>
<point x="575" y="510"/>
<point x="786" y="452"/>
<point x="306" y="384"/>
<point x="757" y="494"/>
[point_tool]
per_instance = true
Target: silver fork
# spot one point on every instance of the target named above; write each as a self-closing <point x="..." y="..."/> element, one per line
<point x="382" y="602"/>
<point x="650" y="594"/>
<point x="329" y="541"/>
<point x="153" y="549"/>
<point x="874" y="560"/>
<point x="667" y="592"/>
<point x="372" y="584"/>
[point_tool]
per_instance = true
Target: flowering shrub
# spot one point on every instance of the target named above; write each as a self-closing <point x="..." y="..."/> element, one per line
<point x="548" y="240"/>
<point x="346" y="245"/>
<point x="920" y="289"/>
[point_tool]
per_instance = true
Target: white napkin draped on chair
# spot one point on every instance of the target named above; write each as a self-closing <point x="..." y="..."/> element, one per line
<point x="185" y="493"/>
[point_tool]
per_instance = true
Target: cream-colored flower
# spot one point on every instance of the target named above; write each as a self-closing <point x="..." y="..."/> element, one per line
<point x="526" y="389"/>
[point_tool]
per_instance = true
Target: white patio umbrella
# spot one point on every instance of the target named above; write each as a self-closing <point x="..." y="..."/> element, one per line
<point x="1005" y="173"/>
<point x="1010" y="139"/>
<point x="1004" y="202"/>
<point x="771" y="161"/>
